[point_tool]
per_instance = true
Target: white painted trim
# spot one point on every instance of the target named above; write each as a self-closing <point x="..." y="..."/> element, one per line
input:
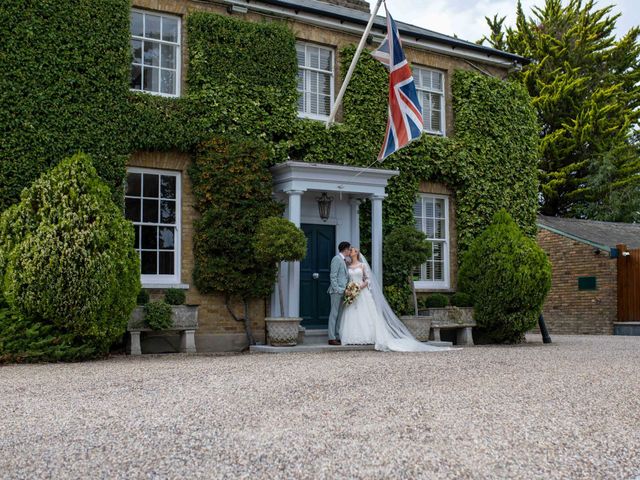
<point x="178" y="49"/>
<point x="154" y="281"/>
<point x="357" y="30"/>
<point x="446" y="284"/>
<point x="332" y="73"/>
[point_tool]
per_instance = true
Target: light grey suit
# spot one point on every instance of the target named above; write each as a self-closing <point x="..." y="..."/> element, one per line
<point x="339" y="277"/>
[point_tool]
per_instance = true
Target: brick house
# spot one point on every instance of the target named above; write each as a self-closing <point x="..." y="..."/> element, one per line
<point x="321" y="29"/>
<point x="586" y="257"/>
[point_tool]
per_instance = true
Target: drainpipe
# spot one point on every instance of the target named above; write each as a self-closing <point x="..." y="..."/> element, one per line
<point x="543" y="330"/>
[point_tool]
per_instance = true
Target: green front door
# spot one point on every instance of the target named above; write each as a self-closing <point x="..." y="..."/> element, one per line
<point x="315" y="303"/>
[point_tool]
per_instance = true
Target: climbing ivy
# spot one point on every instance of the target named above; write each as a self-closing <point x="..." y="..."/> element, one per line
<point x="242" y="82"/>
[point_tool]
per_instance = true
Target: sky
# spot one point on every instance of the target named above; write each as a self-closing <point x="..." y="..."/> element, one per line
<point x="465" y="18"/>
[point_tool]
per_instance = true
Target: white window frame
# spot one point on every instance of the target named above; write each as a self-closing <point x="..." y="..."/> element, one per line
<point x="314" y="116"/>
<point x="446" y="283"/>
<point x="178" y="46"/>
<point x="164" y="280"/>
<point x="417" y="71"/>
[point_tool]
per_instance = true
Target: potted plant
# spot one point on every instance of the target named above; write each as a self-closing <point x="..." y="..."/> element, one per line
<point x="405" y="250"/>
<point x="278" y="240"/>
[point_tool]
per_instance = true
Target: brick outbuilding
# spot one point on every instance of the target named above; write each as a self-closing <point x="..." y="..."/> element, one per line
<point x="585" y="282"/>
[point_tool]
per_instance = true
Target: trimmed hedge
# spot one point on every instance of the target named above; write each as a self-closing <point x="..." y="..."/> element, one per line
<point x="67" y="256"/>
<point x="509" y="275"/>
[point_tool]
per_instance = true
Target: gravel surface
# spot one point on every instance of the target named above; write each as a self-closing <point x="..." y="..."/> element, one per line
<point x="566" y="410"/>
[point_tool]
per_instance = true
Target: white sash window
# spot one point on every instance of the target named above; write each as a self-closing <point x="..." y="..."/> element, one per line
<point x="315" y="81"/>
<point x="432" y="217"/>
<point x="152" y="203"/>
<point x="430" y="87"/>
<point x="155" y="46"/>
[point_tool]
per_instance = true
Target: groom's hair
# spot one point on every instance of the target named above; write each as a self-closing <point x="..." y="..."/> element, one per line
<point x="343" y="246"/>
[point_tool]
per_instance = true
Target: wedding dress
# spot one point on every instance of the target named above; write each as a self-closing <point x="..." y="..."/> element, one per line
<point x="370" y="320"/>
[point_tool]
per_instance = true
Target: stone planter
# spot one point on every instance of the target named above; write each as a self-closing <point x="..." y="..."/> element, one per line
<point x="185" y="320"/>
<point x="419" y="326"/>
<point x="282" y="331"/>
<point x="451" y="315"/>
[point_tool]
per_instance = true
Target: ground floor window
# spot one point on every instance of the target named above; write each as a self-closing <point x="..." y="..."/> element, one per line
<point x="152" y="203"/>
<point x="432" y="217"/>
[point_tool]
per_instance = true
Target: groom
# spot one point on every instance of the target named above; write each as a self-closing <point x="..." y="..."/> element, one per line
<point x="339" y="277"/>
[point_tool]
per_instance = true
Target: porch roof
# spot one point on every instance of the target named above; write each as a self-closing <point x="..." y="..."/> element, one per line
<point x="303" y="176"/>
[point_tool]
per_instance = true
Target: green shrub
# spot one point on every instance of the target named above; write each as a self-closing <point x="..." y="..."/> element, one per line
<point x="143" y="297"/>
<point x="67" y="256"/>
<point x="405" y="249"/>
<point x="157" y="315"/>
<point x="509" y="276"/>
<point x="399" y="298"/>
<point x="175" y="296"/>
<point x="279" y="240"/>
<point x="436" y="300"/>
<point x="461" y="299"/>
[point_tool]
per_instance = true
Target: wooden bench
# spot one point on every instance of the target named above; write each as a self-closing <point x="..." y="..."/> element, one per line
<point x="463" y="331"/>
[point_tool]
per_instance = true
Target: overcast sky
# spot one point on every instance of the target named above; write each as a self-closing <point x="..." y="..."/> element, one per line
<point x="465" y="18"/>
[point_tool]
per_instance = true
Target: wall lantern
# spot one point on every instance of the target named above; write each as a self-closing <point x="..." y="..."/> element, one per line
<point x="324" y="206"/>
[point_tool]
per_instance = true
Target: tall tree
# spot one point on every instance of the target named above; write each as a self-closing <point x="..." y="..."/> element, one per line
<point x="585" y="85"/>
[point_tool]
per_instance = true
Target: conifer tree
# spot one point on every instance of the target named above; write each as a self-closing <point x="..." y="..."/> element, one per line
<point x="585" y="85"/>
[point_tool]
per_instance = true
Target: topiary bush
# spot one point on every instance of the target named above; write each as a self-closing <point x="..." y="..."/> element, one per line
<point x="67" y="256"/>
<point x="509" y="276"/>
<point x="175" y="296"/>
<point x="157" y="315"/>
<point x="405" y="249"/>
<point x="461" y="299"/>
<point x="279" y="240"/>
<point x="436" y="300"/>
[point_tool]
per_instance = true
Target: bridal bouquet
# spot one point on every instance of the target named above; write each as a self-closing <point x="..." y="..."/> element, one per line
<point x="351" y="292"/>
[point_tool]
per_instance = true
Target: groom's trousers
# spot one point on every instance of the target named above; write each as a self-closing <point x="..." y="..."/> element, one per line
<point x="334" y="316"/>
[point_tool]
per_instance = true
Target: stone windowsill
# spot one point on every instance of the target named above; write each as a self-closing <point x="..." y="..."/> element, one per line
<point x="160" y="286"/>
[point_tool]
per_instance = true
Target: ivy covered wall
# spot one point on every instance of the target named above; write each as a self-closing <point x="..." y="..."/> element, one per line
<point x="74" y="95"/>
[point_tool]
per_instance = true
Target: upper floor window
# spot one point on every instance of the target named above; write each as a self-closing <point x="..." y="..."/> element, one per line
<point x="152" y="203"/>
<point x="432" y="217"/>
<point x="315" y="81"/>
<point x="430" y="86"/>
<point x="155" y="45"/>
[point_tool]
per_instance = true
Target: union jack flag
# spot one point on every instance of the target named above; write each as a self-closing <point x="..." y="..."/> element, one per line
<point x="405" y="113"/>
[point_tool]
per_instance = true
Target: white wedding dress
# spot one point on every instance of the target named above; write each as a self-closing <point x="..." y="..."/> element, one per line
<point x="370" y="320"/>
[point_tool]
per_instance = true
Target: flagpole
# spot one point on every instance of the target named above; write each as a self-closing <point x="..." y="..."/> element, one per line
<point x="352" y="67"/>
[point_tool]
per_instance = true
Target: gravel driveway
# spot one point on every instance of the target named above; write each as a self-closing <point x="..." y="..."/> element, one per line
<point x="566" y="410"/>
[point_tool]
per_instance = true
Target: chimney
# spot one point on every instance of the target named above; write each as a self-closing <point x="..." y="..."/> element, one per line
<point x="361" y="5"/>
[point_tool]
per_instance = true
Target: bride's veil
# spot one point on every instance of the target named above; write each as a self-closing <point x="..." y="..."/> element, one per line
<point x="397" y="329"/>
<point x="393" y="334"/>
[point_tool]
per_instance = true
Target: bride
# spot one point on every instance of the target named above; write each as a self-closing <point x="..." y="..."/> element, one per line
<point x="370" y="320"/>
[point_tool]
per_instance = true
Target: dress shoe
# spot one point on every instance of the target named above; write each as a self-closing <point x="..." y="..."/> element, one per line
<point x="334" y="342"/>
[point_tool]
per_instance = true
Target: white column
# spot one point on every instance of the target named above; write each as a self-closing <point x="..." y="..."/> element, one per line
<point x="295" y="212"/>
<point x="355" y="222"/>
<point x="376" y="236"/>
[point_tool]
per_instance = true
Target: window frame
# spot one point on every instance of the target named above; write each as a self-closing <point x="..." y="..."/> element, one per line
<point x="175" y="279"/>
<point x="315" y="116"/>
<point x="445" y="284"/>
<point x="420" y="89"/>
<point x="178" y="46"/>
